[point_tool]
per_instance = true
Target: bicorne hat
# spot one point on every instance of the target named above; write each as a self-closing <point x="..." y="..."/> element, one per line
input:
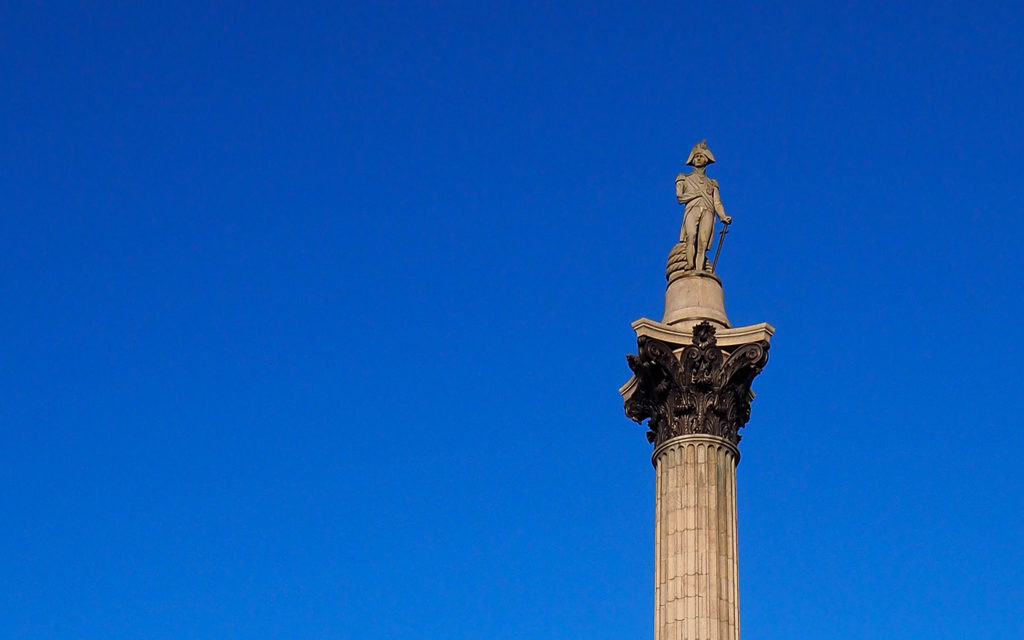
<point x="702" y="147"/>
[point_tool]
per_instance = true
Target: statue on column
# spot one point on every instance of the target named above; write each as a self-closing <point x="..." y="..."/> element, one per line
<point x="700" y="195"/>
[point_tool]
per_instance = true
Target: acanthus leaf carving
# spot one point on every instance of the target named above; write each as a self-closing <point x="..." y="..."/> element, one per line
<point x="701" y="390"/>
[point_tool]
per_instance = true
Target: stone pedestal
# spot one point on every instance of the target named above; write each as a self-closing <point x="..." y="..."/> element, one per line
<point x="692" y="297"/>
<point x="696" y="589"/>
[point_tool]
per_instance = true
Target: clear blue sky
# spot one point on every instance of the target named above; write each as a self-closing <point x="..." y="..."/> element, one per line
<point x="313" y="316"/>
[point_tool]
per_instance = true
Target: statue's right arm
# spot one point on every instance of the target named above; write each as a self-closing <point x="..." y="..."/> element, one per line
<point x="681" y="189"/>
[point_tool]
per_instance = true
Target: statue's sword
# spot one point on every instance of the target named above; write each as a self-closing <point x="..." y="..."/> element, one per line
<point x="718" y="252"/>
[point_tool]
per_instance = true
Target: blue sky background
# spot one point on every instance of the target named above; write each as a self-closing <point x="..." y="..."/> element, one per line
<point x="313" y="316"/>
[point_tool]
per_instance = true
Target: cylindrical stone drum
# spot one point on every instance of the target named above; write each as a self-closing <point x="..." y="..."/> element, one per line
<point x="696" y="586"/>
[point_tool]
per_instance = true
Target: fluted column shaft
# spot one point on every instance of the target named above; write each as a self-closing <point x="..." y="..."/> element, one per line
<point x="696" y="586"/>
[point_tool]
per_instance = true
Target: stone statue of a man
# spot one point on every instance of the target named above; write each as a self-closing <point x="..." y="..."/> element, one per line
<point x="700" y="195"/>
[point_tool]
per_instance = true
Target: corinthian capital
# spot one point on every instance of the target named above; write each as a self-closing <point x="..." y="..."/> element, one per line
<point x="700" y="388"/>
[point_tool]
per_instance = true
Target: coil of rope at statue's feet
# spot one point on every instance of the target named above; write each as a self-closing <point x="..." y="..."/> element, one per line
<point x="676" y="260"/>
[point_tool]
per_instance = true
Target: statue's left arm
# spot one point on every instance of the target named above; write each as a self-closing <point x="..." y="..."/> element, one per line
<point x="719" y="208"/>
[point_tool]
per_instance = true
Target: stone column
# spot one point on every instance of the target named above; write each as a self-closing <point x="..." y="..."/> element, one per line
<point x="696" y="397"/>
<point x="696" y="591"/>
